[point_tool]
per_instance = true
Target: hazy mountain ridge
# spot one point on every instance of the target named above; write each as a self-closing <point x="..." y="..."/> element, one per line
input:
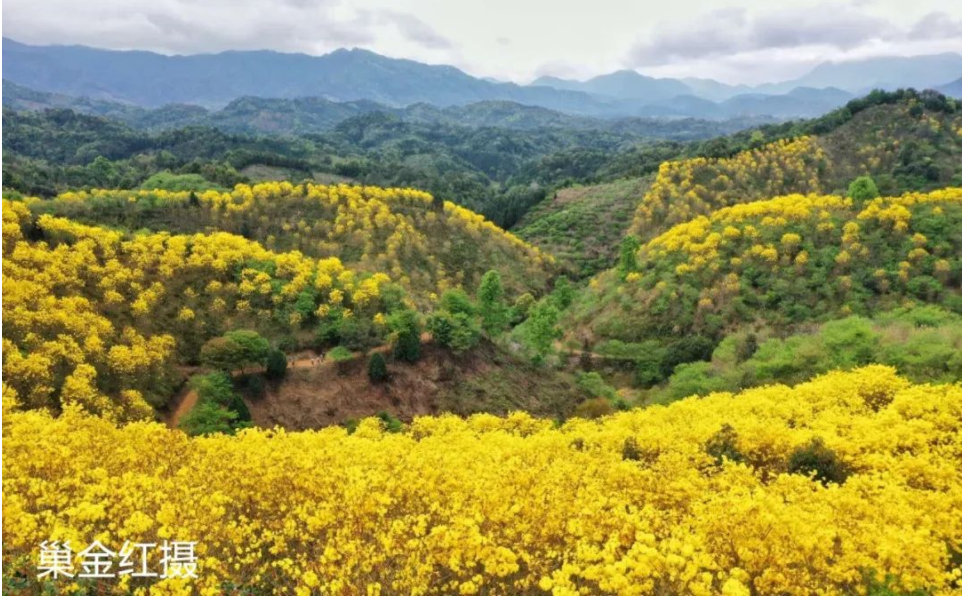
<point x="216" y="80"/>
<point x="259" y="115"/>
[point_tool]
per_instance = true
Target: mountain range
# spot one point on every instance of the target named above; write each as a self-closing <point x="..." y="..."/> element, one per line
<point x="307" y="115"/>
<point x="148" y="79"/>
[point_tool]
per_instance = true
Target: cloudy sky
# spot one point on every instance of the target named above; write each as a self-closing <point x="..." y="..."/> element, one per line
<point x="743" y="41"/>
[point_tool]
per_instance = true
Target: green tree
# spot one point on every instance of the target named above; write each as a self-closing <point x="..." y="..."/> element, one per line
<point x="222" y="353"/>
<point x="377" y="368"/>
<point x="563" y="293"/>
<point x="207" y="417"/>
<point x="863" y="189"/>
<point x="276" y="365"/>
<point x="457" y="331"/>
<point x="627" y="259"/>
<point x="541" y="329"/>
<point x="219" y="388"/>
<point x="254" y="348"/>
<point x="406" y="334"/>
<point x="521" y="307"/>
<point x="491" y="304"/>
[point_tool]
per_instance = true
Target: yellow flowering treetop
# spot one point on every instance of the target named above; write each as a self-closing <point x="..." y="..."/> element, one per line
<point x="689" y="188"/>
<point x="699" y="497"/>
<point x="788" y="260"/>
<point x="425" y="245"/>
<point x="97" y="318"/>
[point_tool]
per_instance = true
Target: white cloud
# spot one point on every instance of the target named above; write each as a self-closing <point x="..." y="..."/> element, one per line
<point x="508" y="39"/>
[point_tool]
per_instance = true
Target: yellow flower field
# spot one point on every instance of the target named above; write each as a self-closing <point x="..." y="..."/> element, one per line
<point x="633" y="504"/>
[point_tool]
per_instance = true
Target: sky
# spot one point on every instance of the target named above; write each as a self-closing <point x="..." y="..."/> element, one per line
<point x="747" y="41"/>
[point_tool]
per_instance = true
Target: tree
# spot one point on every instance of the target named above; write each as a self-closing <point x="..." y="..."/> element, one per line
<point x="863" y="189"/>
<point x="457" y="301"/>
<point x="254" y="348"/>
<point x="276" y="365"/>
<point x="457" y="331"/>
<point x="221" y="353"/>
<point x="541" y="329"/>
<point x="627" y="258"/>
<point x="406" y="331"/>
<point x="206" y="418"/>
<point x="377" y="368"/>
<point x="219" y="388"/>
<point x="491" y="303"/>
<point x="521" y="307"/>
<point x="563" y="294"/>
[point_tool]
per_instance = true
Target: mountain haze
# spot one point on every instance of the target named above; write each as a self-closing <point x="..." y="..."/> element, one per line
<point x="213" y="81"/>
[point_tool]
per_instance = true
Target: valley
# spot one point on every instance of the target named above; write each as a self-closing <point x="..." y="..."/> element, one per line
<point x="388" y="328"/>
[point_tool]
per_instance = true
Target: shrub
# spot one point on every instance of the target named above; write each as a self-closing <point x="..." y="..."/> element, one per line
<point x="390" y="423"/>
<point x="687" y="349"/>
<point x="406" y="330"/>
<point x="207" y="418"/>
<point x="377" y="368"/>
<point x="341" y="356"/>
<point x="863" y="189"/>
<point x="816" y="460"/>
<point x="457" y="331"/>
<point x="593" y="384"/>
<point x="277" y="365"/>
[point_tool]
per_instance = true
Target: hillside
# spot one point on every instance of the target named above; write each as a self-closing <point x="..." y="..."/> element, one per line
<point x="786" y="261"/>
<point x="133" y="305"/>
<point x="424" y="244"/>
<point x="581" y="226"/>
<point x="901" y="144"/>
<point x="774" y="488"/>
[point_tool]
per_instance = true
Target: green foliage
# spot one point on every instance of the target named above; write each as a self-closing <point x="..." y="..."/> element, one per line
<point x="692" y="378"/>
<point x="491" y="304"/>
<point x="221" y="353"/>
<point x="521" y="307"/>
<point x="390" y="422"/>
<point x="819" y="461"/>
<point x="593" y="385"/>
<point x="219" y="408"/>
<point x="342" y="357"/>
<point x="208" y="418"/>
<point x="863" y="189"/>
<point x="541" y="330"/>
<point x="923" y="344"/>
<point x="235" y="349"/>
<point x="276" y="365"/>
<point x="253" y="349"/>
<point x="339" y="354"/>
<point x="594" y="408"/>
<point x="562" y="294"/>
<point x="457" y="331"/>
<point x="686" y="349"/>
<point x="405" y="326"/>
<point x="377" y="368"/>
<point x="581" y="225"/>
<point x="178" y="182"/>
<point x="628" y="249"/>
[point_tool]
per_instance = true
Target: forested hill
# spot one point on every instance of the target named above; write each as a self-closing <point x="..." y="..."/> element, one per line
<point x="273" y="116"/>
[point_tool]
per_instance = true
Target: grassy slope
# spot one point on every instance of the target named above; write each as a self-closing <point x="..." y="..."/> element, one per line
<point x="582" y="225"/>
